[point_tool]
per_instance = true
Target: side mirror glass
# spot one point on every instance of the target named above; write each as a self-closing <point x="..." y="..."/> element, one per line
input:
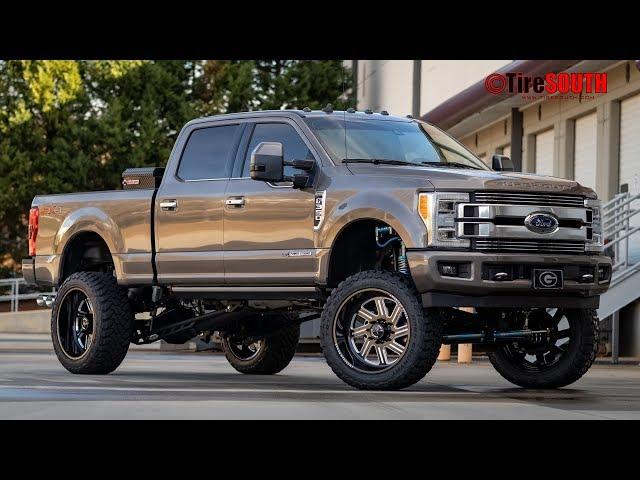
<point x="267" y="162"/>
<point x="501" y="163"/>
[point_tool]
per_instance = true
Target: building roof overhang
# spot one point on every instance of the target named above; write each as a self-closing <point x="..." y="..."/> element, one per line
<point x="475" y="107"/>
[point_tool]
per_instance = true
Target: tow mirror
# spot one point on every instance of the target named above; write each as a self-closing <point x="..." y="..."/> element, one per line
<point x="501" y="163"/>
<point x="267" y="162"/>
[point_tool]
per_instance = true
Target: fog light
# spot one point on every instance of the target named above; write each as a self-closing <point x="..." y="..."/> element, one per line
<point x="449" y="269"/>
<point x="604" y="272"/>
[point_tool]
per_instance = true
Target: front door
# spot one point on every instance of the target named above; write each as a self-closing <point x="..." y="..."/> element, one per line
<point x="268" y="228"/>
<point x="189" y="208"/>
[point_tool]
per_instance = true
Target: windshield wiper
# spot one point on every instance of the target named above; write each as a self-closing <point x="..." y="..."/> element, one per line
<point x="377" y="161"/>
<point x="450" y="164"/>
<point x="384" y="161"/>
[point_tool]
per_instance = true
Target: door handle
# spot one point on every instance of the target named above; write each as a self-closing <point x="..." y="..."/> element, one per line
<point x="234" y="202"/>
<point x="169" y="205"/>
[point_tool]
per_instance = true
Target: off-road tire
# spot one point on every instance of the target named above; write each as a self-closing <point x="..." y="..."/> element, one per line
<point x="113" y="324"/>
<point x="276" y="353"/>
<point x="423" y="347"/>
<point x="573" y="364"/>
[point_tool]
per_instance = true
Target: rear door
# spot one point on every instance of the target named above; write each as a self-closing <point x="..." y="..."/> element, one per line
<point x="189" y="206"/>
<point x="268" y="228"/>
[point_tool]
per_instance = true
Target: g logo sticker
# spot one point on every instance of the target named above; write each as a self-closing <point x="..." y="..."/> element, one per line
<point x="549" y="279"/>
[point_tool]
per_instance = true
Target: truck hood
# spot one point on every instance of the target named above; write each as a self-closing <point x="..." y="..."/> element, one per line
<point x="452" y="179"/>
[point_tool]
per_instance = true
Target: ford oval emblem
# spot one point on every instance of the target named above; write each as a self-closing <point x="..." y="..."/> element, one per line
<point x="540" y="222"/>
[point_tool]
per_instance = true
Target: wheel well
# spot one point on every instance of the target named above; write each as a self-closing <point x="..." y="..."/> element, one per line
<point x="86" y="251"/>
<point x="354" y="250"/>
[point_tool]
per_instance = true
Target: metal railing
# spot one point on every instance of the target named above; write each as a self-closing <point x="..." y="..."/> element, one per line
<point x="623" y="245"/>
<point x="15" y="296"/>
<point x="619" y="234"/>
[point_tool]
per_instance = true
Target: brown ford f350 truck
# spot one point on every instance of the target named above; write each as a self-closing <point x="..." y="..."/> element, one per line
<point x="383" y="226"/>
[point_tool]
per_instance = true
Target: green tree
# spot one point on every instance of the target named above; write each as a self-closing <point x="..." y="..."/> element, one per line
<point x="70" y="126"/>
<point x="232" y="86"/>
<point x="42" y="108"/>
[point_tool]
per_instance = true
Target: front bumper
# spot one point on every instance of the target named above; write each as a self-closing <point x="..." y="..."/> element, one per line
<point x="478" y="289"/>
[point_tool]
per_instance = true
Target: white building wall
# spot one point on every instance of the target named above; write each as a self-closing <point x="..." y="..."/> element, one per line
<point x="442" y="79"/>
<point x="385" y="85"/>
<point x="388" y="84"/>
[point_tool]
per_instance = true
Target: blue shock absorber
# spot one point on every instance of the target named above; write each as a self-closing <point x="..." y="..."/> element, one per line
<point x="402" y="265"/>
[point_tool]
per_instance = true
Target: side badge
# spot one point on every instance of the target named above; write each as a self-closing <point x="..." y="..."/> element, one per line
<point x="321" y="196"/>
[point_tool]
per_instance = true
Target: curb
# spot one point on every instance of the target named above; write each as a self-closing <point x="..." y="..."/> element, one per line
<point x="30" y="321"/>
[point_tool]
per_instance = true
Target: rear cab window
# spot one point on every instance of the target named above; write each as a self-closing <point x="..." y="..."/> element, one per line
<point x="208" y="153"/>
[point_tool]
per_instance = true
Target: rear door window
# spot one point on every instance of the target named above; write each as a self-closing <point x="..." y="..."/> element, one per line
<point x="208" y="153"/>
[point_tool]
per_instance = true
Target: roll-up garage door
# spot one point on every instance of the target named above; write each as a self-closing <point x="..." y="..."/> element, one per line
<point x="630" y="147"/>
<point x="630" y="143"/>
<point x="544" y="153"/>
<point x="585" y="149"/>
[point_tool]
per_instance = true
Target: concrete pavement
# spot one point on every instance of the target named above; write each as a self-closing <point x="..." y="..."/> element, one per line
<point x="159" y="385"/>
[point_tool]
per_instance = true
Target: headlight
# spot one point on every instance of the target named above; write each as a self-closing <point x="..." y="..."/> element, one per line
<point x="438" y="212"/>
<point x="594" y="241"/>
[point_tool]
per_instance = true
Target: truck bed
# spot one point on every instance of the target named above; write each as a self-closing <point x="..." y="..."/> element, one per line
<point x="121" y="217"/>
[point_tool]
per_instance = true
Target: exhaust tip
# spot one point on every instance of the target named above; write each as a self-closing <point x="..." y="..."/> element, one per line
<point x="45" y="300"/>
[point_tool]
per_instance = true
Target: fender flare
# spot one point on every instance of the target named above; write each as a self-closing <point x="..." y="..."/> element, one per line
<point x="89" y="220"/>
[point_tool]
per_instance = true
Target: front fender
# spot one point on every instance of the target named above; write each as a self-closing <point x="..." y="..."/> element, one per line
<point x="396" y="208"/>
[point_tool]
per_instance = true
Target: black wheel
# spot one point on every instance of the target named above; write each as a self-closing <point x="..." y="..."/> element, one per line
<point x="91" y="323"/>
<point x="262" y="355"/>
<point x="563" y="359"/>
<point x="375" y="334"/>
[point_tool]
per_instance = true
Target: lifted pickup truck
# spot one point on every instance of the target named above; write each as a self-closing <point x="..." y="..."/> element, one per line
<point x="383" y="226"/>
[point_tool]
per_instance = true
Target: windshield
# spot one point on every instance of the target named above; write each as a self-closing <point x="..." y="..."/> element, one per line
<point x="388" y="141"/>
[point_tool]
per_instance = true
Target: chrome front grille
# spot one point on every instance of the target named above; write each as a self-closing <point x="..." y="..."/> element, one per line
<point x="497" y="221"/>
<point x="530" y="246"/>
<point x="530" y="199"/>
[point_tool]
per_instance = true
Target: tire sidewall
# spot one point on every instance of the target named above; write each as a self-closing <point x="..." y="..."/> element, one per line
<point x="245" y="364"/>
<point x="113" y="323"/>
<point x="277" y="351"/>
<point x="68" y="362"/>
<point x="573" y="364"/>
<point x="415" y="318"/>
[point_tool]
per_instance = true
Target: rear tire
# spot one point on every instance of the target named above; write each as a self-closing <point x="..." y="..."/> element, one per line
<point x="375" y="334"/>
<point x="557" y="364"/>
<point x="91" y="323"/>
<point x="264" y="356"/>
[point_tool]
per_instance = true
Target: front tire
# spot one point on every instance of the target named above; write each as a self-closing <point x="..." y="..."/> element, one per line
<point x="91" y="323"/>
<point x="375" y="335"/>
<point x="562" y="360"/>
<point x="262" y="356"/>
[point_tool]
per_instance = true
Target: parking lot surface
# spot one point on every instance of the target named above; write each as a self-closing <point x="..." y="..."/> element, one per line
<point x="158" y="385"/>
